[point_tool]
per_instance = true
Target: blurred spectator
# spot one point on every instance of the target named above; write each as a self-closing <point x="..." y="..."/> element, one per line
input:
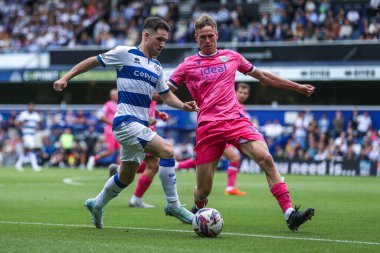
<point x="374" y="6"/>
<point x="346" y="30"/>
<point x="273" y="130"/>
<point x="90" y="138"/>
<point x="312" y="149"/>
<point x="324" y="123"/>
<point x="66" y="141"/>
<point x="300" y="127"/>
<point x="91" y="119"/>
<point x="183" y="151"/>
<point x="70" y="118"/>
<point x="338" y="124"/>
<point x="81" y="119"/>
<point x="77" y="157"/>
<point x="341" y="143"/>
<point x="239" y="18"/>
<point x="373" y="29"/>
<point x="279" y="153"/>
<point x="322" y="153"/>
<point x="353" y="16"/>
<point x="364" y="124"/>
<point x="47" y="151"/>
<point x="353" y="121"/>
<point x="101" y="27"/>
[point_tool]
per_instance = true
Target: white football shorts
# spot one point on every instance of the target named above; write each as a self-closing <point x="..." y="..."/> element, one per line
<point x="133" y="137"/>
<point x="29" y="141"/>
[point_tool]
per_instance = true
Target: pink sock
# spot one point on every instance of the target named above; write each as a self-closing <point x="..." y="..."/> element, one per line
<point x="232" y="172"/>
<point x="200" y="204"/>
<point x="142" y="185"/>
<point x="141" y="168"/>
<point x="281" y="192"/>
<point x="187" y="164"/>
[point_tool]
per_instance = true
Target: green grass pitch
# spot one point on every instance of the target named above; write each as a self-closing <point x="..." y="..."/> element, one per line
<point x="39" y="212"/>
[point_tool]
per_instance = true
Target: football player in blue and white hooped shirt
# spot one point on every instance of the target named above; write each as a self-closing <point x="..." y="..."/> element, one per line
<point x="29" y="122"/>
<point x="138" y="76"/>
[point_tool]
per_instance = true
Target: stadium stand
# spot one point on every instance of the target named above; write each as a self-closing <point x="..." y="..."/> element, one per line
<point x="35" y="25"/>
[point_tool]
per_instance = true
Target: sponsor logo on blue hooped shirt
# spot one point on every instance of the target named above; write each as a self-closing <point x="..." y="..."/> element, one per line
<point x="145" y="75"/>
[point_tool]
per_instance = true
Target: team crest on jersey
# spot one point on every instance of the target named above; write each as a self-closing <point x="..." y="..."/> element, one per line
<point x="223" y="58"/>
<point x="136" y="60"/>
<point x="157" y="68"/>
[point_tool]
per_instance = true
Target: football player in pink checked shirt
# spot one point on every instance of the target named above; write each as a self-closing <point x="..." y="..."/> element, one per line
<point x="242" y="93"/>
<point x="210" y="79"/>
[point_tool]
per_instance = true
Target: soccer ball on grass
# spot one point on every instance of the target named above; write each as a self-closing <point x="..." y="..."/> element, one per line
<point x="208" y="222"/>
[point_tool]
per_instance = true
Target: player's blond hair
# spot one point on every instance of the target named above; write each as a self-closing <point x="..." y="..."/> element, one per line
<point x="204" y="20"/>
<point x="113" y="91"/>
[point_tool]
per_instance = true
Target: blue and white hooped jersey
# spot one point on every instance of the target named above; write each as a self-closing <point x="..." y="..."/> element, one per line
<point x="30" y="122"/>
<point x="137" y="79"/>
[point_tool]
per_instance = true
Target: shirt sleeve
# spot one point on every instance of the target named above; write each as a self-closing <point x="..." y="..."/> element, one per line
<point x="178" y="76"/>
<point x="20" y="117"/>
<point x="244" y="65"/>
<point x="38" y="118"/>
<point x="161" y="87"/>
<point x="113" y="57"/>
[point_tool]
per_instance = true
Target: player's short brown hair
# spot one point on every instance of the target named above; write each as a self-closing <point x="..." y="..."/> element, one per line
<point x="205" y="20"/>
<point x="155" y="23"/>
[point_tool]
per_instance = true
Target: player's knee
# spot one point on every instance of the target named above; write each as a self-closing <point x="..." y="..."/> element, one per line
<point x="267" y="163"/>
<point x="152" y="167"/>
<point x="235" y="159"/>
<point x="167" y="151"/>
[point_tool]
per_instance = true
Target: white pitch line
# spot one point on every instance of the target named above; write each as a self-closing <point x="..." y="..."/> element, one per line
<point x="190" y="231"/>
<point x="70" y="181"/>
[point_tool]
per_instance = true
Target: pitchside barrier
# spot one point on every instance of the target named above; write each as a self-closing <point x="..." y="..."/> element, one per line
<point x="342" y="167"/>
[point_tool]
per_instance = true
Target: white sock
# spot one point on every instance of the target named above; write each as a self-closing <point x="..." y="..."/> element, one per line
<point x="168" y="180"/>
<point x="288" y="212"/>
<point x="111" y="189"/>
<point x="20" y="161"/>
<point x="33" y="160"/>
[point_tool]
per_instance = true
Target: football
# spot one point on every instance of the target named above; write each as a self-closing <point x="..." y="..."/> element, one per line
<point x="208" y="222"/>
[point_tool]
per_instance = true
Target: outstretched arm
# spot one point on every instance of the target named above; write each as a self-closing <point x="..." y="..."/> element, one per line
<point x="162" y="115"/>
<point x="80" y="68"/>
<point x="170" y="99"/>
<point x="271" y="79"/>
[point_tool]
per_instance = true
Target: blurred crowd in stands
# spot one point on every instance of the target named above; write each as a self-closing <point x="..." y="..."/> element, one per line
<point x="65" y="138"/>
<point x="68" y="138"/>
<point x="313" y="139"/>
<point x="39" y="25"/>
